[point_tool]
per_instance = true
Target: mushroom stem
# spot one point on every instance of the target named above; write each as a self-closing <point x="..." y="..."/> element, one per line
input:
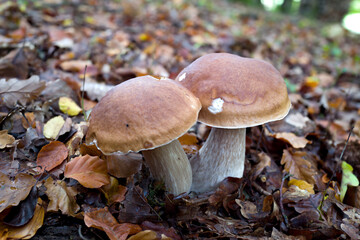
<point x="222" y="155"/>
<point x="170" y="164"/>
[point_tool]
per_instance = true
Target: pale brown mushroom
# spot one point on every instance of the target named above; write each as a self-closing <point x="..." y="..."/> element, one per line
<point x="235" y="93"/>
<point x="146" y="114"/>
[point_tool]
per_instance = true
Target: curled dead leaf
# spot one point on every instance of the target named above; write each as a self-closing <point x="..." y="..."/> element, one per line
<point x="61" y="197"/>
<point x="28" y="230"/>
<point x="6" y="140"/>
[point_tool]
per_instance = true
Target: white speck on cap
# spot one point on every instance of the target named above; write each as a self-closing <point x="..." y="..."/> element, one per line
<point x="216" y="106"/>
<point x="182" y="77"/>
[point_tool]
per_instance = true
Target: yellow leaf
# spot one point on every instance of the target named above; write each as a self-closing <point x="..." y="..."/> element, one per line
<point x="302" y="185"/>
<point x="53" y="127"/>
<point x="68" y="106"/>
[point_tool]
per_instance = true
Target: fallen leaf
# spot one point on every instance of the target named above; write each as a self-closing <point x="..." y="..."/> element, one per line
<point x="30" y="119"/>
<point x="24" y="212"/>
<point x="91" y="172"/>
<point x="189" y="142"/>
<point x="14" y="191"/>
<point x="298" y="166"/>
<point x="75" y="65"/>
<point x="15" y="91"/>
<point x="144" y="235"/>
<point x="264" y="161"/>
<point x="6" y="140"/>
<point x="114" y="192"/>
<point x="27" y="231"/>
<point x="102" y="219"/>
<point x="14" y="65"/>
<point x="292" y="139"/>
<point x="302" y="185"/>
<point x="61" y="197"/>
<point x="51" y="155"/>
<point x="348" y="179"/>
<point x="68" y="106"/>
<point x="246" y="208"/>
<point x="53" y="127"/>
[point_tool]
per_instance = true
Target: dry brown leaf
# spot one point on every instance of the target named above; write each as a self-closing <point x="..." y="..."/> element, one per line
<point x="91" y="172"/>
<point x="298" y="166"/>
<point x="30" y="116"/>
<point x="292" y="139"/>
<point x="75" y="65"/>
<point x="264" y="161"/>
<point x="14" y="191"/>
<point x="28" y="230"/>
<point x="114" y="192"/>
<point x="246" y="208"/>
<point x="75" y="140"/>
<point x="15" y="91"/>
<point x="51" y="155"/>
<point x="61" y="197"/>
<point x="6" y="140"/>
<point x="144" y="235"/>
<point x="102" y="219"/>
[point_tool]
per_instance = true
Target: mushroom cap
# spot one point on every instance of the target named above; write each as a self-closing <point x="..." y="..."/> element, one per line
<point x="236" y="92"/>
<point x="142" y="113"/>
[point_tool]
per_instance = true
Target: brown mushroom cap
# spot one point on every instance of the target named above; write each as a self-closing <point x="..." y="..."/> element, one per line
<point x="236" y="92"/>
<point x="142" y="113"/>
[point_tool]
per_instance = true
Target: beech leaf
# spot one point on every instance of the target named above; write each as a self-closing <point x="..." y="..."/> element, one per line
<point x="102" y="219"/>
<point x="53" y="127"/>
<point x="91" y="172"/>
<point x="302" y="185"/>
<point x="292" y="139"/>
<point x="15" y="91"/>
<point x="14" y="191"/>
<point x="298" y="166"/>
<point x="52" y="155"/>
<point x="61" y="197"/>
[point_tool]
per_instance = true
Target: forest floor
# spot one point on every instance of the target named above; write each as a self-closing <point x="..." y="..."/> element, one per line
<point x="301" y="173"/>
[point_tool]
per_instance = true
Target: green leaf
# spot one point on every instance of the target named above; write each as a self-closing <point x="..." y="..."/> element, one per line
<point x="348" y="179"/>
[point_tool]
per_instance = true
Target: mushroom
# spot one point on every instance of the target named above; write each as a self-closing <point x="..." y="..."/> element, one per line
<point x="146" y="114"/>
<point x="235" y="93"/>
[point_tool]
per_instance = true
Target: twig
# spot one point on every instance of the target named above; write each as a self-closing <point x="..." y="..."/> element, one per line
<point x="260" y="189"/>
<point x="346" y="143"/>
<point x="82" y="95"/>
<point x="285" y="176"/>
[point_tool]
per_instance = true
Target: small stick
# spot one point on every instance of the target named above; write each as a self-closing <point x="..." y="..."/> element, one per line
<point x="260" y="189"/>
<point x="82" y="95"/>
<point x="285" y="176"/>
<point x="346" y="143"/>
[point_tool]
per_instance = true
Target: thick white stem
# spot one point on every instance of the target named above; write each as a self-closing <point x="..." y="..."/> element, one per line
<point x="222" y="155"/>
<point x="170" y="164"/>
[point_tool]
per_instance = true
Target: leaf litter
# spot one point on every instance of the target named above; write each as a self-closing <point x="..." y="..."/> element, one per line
<point x="43" y="61"/>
